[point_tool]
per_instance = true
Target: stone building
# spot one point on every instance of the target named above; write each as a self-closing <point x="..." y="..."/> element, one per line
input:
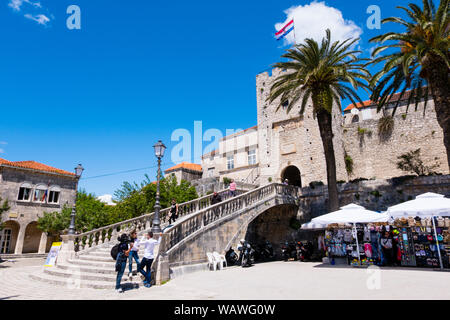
<point x="31" y="189"/>
<point x="236" y="158"/>
<point x="288" y="145"/>
<point x="185" y="171"/>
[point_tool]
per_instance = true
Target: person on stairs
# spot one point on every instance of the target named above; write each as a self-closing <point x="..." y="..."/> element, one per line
<point x="121" y="261"/>
<point x="134" y="248"/>
<point x="149" y="245"/>
<point x="173" y="214"/>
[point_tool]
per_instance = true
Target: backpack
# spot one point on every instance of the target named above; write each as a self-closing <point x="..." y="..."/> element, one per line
<point x="115" y="251"/>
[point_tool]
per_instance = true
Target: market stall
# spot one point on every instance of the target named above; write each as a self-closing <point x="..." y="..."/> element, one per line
<point x="424" y="226"/>
<point x="345" y="236"/>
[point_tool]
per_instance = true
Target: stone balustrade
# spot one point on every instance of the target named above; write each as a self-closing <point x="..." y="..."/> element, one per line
<point x="185" y="227"/>
<point x="93" y="238"/>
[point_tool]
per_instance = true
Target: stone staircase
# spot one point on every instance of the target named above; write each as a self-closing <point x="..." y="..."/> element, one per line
<point x="93" y="266"/>
<point x="94" y="269"/>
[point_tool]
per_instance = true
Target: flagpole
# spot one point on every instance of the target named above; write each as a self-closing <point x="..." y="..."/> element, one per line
<point x="295" y="39"/>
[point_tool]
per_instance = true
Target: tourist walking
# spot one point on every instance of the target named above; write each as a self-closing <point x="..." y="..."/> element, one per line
<point x="134" y="248"/>
<point x="121" y="261"/>
<point x="173" y="213"/>
<point x="216" y="198"/>
<point x="233" y="188"/>
<point x="149" y="246"/>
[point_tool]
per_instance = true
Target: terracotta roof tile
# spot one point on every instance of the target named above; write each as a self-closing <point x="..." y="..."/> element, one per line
<point x="186" y="165"/>
<point x="371" y="103"/>
<point x="34" y="166"/>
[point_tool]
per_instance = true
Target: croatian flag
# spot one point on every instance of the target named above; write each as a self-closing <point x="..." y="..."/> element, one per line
<point x="285" y="30"/>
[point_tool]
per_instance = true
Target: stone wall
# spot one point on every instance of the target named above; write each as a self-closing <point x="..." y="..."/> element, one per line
<point x="375" y="195"/>
<point x="375" y="157"/>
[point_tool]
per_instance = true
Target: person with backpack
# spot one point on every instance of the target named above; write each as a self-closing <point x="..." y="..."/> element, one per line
<point x="149" y="245"/>
<point x="134" y="248"/>
<point x="121" y="259"/>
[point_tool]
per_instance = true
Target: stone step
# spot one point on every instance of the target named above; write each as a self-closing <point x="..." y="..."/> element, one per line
<point x="95" y="258"/>
<point x="98" y="254"/>
<point x="58" y="280"/>
<point x="89" y="268"/>
<point x="75" y="276"/>
<point x="100" y="264"/>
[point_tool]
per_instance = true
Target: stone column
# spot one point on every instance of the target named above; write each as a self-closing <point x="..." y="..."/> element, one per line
<point x="43" y="243"/>
<point x="67" y="251"/>
<point x="20" y="239"/>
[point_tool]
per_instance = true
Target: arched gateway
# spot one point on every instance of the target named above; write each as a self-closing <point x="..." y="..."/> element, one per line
<point x="292" y="174"/>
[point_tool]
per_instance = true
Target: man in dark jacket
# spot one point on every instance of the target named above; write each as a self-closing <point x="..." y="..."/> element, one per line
<point x="216" y="198"/>
<point x="121" y="260"/>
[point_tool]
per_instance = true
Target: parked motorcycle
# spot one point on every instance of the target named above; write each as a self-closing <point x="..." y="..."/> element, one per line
<point x="246" y="256"/>
<point x="266" y="252"/>
<point x="288" y="251"/>
<point x="304" y="250"/>
<point x="231" y="257"/>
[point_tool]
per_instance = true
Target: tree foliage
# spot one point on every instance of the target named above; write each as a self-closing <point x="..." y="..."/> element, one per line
<point x="133" y="200"/>
<point x="91" y="213"/>
<point x="412" y="162"/>
<point x="3" y="208"/>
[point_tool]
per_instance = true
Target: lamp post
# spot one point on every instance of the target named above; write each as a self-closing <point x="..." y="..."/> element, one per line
<point x="78" y="171"/>
<point x="159" y="153"/>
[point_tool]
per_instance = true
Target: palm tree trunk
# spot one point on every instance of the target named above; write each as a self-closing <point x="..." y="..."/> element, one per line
<point x="326" y="133"/>
<point x="438" y="79"/>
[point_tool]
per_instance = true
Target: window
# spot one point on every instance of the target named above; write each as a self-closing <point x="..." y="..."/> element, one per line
<point x="252" y="157"/>
<point x="40" y="193"/>
<point x="285" y="104"/>
<point x="53" y="194"/>
<point x="230" y="162"/>
<point x="24" y="192"/>
<point x="355" y="119"/>
<point x="210" y="172"/>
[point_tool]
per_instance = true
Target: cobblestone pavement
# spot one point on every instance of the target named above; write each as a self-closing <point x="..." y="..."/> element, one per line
<point x="275" y="280"/>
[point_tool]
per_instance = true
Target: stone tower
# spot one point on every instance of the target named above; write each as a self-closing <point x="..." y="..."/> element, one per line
<point x="289" y="144"/>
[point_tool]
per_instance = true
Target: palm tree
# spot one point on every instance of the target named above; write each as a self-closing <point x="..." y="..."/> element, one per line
<point x="418" y="60"/>
<point x="323" y="74"/>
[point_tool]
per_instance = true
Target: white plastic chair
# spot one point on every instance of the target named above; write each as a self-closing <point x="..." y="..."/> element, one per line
<point x="220" y="258"/>
<point x="211" y="261"/>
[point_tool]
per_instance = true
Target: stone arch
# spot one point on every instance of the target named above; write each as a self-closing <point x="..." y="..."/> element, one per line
<point x="10" y="229"/>
<point x="32" y="238"/>
<point x="292" y="174"/>
<point x="272" y="225"/>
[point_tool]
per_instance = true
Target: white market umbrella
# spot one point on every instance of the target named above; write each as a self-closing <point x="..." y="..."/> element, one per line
<point x="351" y="213"/>
<point x="425" y="205"/>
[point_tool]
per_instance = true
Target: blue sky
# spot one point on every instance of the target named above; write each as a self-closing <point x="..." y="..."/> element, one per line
<point x="136" y="71"/>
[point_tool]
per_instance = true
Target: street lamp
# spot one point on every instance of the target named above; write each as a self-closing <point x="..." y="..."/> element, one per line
<point x="159" y="153"/>
<point x="78" y="171"/>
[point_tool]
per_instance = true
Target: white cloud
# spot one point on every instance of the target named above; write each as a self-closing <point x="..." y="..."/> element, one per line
<point x="106" y="198"/>
<point x="2" y="151"/>
<point x="17" y="4"/>
<point x="313" y="19"/>
<point x="39" y="18"/>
